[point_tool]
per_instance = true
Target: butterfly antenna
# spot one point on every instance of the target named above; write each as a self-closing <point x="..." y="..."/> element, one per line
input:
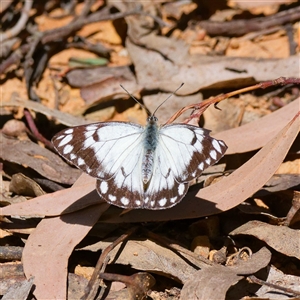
<point x="167" y="98"/>
<point x="137" y="101"/>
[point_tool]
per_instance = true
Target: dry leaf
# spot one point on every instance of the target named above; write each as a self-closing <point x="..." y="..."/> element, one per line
<point x="216" y="280"/>
<point x="48" y="248"/>
<point x="281" y="238"/>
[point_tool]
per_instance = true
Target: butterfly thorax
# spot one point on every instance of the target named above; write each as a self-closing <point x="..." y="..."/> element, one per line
<point x="150" y="143"/>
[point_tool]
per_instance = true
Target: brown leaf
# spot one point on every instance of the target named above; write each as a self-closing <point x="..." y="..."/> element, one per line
<point x="284" y="280"/>
<point x="47" y="250"/>
<point x="256" y="134"/>
<point x="159" y="259"/>
<point x="37" y="158"/>
<point x="62" y="117"/>
<point x="281" y="238"/>
<point x="60" y="202"/>
<point x="216" y="280"/>
<point x="155" y="71"/>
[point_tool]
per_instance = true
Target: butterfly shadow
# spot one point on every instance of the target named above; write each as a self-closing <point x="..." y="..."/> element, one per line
<point x="75" y="212"/>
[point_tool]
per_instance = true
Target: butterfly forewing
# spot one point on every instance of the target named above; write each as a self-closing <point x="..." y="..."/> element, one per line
<point x="113" y="152"/>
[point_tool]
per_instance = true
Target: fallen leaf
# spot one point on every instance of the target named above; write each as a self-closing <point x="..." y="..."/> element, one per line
<point x="50" y="246"/>
<point x="255" y="135"/>
<point x="281" y="238"/>
<point x="37" y="158"/>
<point x="216" y="280"/>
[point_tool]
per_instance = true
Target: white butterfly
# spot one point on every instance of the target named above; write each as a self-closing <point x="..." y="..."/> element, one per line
<point x="140" y="167"/>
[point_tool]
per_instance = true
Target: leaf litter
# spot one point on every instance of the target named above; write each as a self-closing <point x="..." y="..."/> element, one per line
<point x="151" y="254"/>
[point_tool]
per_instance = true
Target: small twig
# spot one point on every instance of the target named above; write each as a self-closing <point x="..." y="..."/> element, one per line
<point x="241" y="27"/>
<point x="20" y="24"/>
<point x="200" y="108"/>
<point x="35" y="131"/>
<point x="93" y="281"/>
<point x="294" y="209"/>
<point x="275" y="286"/>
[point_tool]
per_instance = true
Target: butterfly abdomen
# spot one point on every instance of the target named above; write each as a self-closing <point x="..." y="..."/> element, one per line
<point x="150" y="144"/>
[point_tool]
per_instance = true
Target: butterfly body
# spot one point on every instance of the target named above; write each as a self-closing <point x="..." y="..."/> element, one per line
<point x="150" y="141"/>
<point x="140" y="167"/>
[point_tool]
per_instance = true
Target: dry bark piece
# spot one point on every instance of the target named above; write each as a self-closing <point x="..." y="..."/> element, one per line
<point x="10" y="253"/>
<point x="281" y="238"/>
<point x="19" y="290"/>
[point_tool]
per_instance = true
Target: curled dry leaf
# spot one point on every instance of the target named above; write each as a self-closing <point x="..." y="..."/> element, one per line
<point x="48" y="248"/>
<point x="281" y="238"/>
<point x="37" y="158"/>
<point x="216" y="280"/>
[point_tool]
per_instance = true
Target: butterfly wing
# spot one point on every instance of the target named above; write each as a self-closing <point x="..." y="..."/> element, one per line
<point x="108" y="151"/>
<point x="183" y="152"/>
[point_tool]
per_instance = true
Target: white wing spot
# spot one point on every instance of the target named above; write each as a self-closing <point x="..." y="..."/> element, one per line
<point x="208" y="161"/>
<point x="173" y="199"/>
<point x="213" y="154"/>
<point x="66" y="140"/>
<point x="68" y="149"/>
<point x="216" y="145"/>
<point x="124" y="201"/>
<point x="201" y="166"/>
<point x="181" y="189"/>
<point x="59" y="137"/>
<point x="138" y="202"/>
<point x="112" y="197"/>
<point x="92" y="127"/>
<point x="80" y="161"/>
<point x="88" y="170"/>
<point x="152" y="203"/>
<point x="222" y="143"/>
<point x="88" y="142"/>
<point x="73" y="156"/>
<point x="103" y="187"/>
<point x="162" y="202"/>
<point x="69" y="131"/>
<point x="146" y="200"/>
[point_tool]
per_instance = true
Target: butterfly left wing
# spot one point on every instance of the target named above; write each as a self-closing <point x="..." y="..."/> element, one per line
<point x="183" y="152"/>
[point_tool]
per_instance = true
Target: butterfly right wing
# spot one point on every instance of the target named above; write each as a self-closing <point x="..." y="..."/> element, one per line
<point x="109" y="151"/>
<point x="183" y="152"/>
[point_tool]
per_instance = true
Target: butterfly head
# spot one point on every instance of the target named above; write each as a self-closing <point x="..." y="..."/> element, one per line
<point x="152" y="119"/>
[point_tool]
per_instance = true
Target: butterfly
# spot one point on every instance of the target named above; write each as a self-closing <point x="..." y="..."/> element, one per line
<point x="140" y="167"/>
